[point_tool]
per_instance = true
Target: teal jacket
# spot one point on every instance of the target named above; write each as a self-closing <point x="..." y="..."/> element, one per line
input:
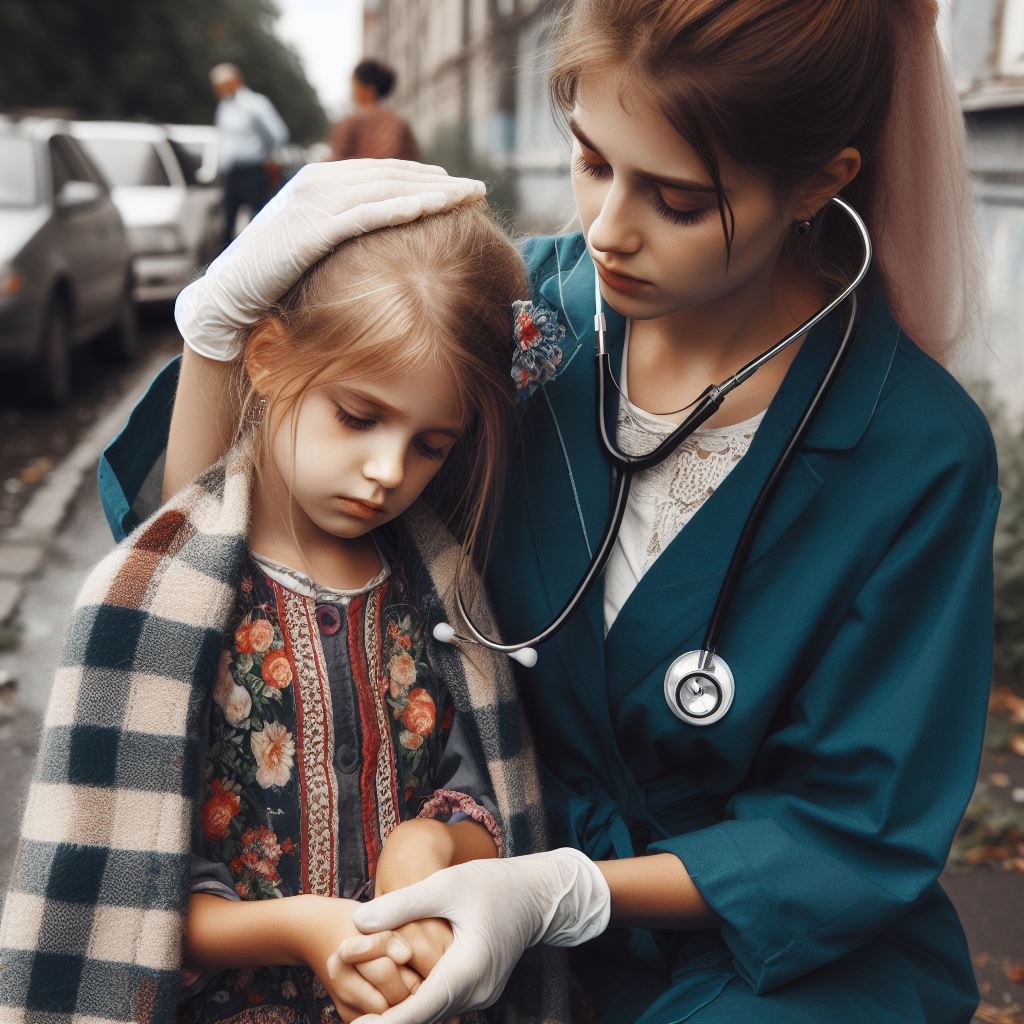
<point x="817" y="815"/>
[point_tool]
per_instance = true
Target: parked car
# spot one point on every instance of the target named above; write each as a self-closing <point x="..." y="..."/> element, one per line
<point x="196" y="146"/>
<point x="170" y="224"/>
<point x="65" y="261"/>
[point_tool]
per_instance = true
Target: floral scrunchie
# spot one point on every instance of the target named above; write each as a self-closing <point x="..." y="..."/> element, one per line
<point x="538" y="350"/>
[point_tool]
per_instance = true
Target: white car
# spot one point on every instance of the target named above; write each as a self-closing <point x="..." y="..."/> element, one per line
<point x="171" y="223"/>
<point x="197" y="146"/>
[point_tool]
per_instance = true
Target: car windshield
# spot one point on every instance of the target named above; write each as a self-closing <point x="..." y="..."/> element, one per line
<point x="127" y="161"/>
<point x="17" y="172"/>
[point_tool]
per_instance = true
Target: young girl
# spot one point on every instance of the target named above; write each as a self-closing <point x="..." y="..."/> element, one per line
<point x="781" y="864"/>
<point x="256" y="659"/>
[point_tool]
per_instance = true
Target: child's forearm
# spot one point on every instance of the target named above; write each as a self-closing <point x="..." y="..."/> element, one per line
<point x="246" y="933"/>
<point x="420" y="846"/>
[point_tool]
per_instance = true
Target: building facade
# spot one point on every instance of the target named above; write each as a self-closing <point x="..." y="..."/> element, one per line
<point x="472" y="79"/>
<point x="986" y="39"/>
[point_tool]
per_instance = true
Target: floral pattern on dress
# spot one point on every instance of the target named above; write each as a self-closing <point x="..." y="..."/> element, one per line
<point x="413" y="709"/>
<point x="249" y="745"/>
<point x="289" y="694"/>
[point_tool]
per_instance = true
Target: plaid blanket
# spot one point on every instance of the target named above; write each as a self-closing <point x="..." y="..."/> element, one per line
<point x="95" y="913"/>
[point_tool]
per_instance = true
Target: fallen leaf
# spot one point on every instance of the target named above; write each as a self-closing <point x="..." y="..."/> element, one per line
<point x="1000" y="779"/>
<point x="989" y="1014"/>
<point x="1017" y="744"/>
<point x="1015" y="972"/>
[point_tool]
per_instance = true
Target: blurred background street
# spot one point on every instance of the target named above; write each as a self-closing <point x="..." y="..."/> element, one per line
<point x="125" y="165"/>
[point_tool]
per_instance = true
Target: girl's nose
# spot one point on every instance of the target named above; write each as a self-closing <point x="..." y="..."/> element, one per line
<point x="385" y="467"/>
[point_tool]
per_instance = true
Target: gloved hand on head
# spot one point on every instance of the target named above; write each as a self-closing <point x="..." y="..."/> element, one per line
<point x="324" y="205"/>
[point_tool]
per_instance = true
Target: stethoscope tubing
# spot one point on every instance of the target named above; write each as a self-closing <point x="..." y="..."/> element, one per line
<point x="625" y="466"/>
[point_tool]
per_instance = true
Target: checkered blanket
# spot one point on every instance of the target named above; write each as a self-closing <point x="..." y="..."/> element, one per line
<point x="94" y="916"/>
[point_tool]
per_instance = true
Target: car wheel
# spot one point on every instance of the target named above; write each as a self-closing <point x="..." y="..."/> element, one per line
<point x="120" y="342"/>
<point x="51" y="373"/>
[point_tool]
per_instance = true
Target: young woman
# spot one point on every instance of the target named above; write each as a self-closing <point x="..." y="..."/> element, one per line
<point x="779" y="865"/>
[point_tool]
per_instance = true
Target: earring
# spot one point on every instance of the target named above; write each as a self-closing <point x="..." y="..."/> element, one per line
<point x="256" y="411"/>
<point x="803" y="229"/>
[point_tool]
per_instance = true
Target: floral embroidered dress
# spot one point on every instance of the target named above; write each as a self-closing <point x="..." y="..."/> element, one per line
<point x="327" y="727"/>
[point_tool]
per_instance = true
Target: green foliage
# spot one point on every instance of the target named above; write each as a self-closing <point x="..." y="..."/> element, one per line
<point x="1009" y="543"/>
<point x="107" y="59"/>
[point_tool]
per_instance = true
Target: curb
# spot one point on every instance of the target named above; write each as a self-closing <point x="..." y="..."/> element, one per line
<point x="23" y="546"/>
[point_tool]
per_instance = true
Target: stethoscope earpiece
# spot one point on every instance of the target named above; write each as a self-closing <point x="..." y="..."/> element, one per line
<point x="699" y="690"/>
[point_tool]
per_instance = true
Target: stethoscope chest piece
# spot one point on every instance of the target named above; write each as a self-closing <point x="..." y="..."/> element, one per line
<point x="699" y="694"/>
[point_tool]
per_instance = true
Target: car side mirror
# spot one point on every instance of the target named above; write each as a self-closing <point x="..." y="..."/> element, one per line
<point x="74" y="194"/>
<point x="205" y="176"/>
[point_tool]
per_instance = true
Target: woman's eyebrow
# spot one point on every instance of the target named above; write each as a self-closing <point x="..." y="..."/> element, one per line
<point x="680" y="184"/>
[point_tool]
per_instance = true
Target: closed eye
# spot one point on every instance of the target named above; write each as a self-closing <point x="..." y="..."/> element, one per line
<point x="583" y="166"/>
<point x="353" y="422"/>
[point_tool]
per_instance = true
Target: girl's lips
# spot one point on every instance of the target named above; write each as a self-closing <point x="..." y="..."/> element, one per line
<point x="358" y="509"/>
<point x="621" y="282"/>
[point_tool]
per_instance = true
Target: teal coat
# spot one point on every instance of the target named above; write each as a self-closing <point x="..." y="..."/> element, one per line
<point x="817" y="815"/>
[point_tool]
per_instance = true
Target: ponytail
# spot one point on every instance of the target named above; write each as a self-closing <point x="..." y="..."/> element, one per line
<point x="926" y="237"/>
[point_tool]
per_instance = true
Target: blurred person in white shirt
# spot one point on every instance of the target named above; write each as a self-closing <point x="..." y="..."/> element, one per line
<point x="250" y="130"/>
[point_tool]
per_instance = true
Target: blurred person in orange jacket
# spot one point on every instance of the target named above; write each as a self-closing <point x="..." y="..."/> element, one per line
<point x="372" y="130"/>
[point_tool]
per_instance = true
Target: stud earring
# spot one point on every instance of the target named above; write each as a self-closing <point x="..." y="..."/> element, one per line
<point x="803" y="229"/>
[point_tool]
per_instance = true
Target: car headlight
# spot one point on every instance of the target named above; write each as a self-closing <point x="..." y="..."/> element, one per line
<point x="11" y="282"/>
<point x="151" y="240"/>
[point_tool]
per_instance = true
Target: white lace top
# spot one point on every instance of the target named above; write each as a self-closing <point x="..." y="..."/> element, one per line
<point x="665" y="498"/>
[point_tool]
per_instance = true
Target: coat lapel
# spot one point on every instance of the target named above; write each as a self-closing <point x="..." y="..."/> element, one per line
<point x="668" y="611"/>
<point x="571" y="478"/>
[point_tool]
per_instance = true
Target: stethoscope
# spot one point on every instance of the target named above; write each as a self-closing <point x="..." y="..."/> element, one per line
<point x="699" y="685"/>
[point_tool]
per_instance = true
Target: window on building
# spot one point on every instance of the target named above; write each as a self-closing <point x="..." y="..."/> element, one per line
<point x="1011" y="58"/>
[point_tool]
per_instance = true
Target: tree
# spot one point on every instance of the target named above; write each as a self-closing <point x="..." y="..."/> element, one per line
<point x="103" y="58"/>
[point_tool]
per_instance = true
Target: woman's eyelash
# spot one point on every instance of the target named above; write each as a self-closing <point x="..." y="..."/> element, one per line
<point x="675" y="216"/>
<point x="586" y="167"/>
<point x="678" y="216"/>
<point x="353" y="421"/>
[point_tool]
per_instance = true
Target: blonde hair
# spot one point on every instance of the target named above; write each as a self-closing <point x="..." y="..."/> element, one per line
<point x="436" y="292"/>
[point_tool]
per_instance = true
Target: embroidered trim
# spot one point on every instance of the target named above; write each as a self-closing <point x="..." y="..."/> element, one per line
<point x="315" y="735"/>
<point x="386" y="779"/>
<point x="446" y="802"/>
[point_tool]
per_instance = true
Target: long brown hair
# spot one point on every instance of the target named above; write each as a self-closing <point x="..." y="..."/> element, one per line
<point x="781" y="86"/>
<point x="435" y="292"/>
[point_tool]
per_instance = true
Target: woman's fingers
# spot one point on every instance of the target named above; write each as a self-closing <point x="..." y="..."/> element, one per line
<point x="457" y="189"/>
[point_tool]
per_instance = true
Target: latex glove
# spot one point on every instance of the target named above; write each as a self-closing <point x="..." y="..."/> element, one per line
<point x="322" y="206"/>
<point x="497" y="909"/>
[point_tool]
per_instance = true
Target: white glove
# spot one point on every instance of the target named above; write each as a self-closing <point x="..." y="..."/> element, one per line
<point x="497" y="909"/>
<point x="321" y="207"/>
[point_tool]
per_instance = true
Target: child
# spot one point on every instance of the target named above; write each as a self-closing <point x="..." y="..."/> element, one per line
<point x="256" y="662"/>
